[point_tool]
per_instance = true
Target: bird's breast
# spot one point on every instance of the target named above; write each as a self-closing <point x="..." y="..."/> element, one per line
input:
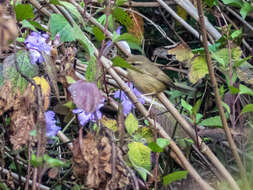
<point x="146" y="83"/>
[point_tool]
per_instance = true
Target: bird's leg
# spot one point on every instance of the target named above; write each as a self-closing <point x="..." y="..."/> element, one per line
<point x="151" y="103"/>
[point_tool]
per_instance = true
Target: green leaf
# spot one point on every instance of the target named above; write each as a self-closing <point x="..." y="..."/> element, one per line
<point x="227" y="108"/>
<point x="90" y="74"/>
<point x="140" y="155"/>
<point x="70" y="80"/>
<point x="54" y="2"/>
<point x="245" y="90"/>
<point x="211" y="3"/>
<point x="120" y="62"/>
<point x="131" y="124"/>
<point x="198" y="117"/>
<point x="161" y="142"/>
<point x="111" y="22"/>
<point x="37" y="25"/>
<point x="212" y="48"/>
<point x="115" y="36"/>
<point x="246" y="9"/>
<point x="72" y="9"/>
<point x="76" y="187"/>
<point x="186" y="106"/>
<point x="154" y="147"/>
<point x="98" y="33"/>
<point x="10" y="72"/>
<point x="22" y="40"/>
<point x="69" y="105"/>
<point x="142" y="171"/>
<point x="120" y="2"/>
<point x="121" y="16"/>
<point x="36" y="162"/>
<point x="212" y="122"/>
<point x="82" y="39"/>
<point x="222" y="56"/>
<point x="175" y="176"/>
<point x="144" y="134"/>
<point x="233" y="90"/>
<point x="126" y="37"/>
<point x="236" y="3"/>
<point x="136" y="47"/>
<point x="242" y="61"/>
<point x="3" y="186"/>
<point x="52" y="162"/>
<point x="196" y="107"/>
<point x="58" y="24"/>
<point x="236" y="34"/>
<point x="27" y="24"/>
<point x="24" y="11"/>
<point x="247" y="108"/>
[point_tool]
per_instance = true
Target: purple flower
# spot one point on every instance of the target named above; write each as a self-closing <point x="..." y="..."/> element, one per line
<point x="85" y="117"/>
<point x="36" y="43"/>
<point x="118" y="30"/>
<point x="123" y="43"/>
<point x="52" y="128"/>
<point x="126" y="103"/>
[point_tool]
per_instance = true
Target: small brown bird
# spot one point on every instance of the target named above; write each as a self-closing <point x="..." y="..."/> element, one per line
<point x="150" y="79"/>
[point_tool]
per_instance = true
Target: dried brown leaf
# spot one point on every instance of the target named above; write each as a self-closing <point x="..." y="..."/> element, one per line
<point x="52" y="173"/>
<point x="93" y="166"/>
<point x="21" y="127"/>
<point x="85" y="161"/>
<point x="137" y="29"/>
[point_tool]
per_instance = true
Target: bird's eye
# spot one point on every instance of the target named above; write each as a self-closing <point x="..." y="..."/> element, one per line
<point x="136" y="63"/>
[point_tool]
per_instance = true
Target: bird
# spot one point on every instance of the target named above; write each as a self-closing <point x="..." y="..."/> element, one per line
<point x="148" y="78"/>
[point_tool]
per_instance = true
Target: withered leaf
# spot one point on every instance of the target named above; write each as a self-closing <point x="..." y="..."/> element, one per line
<point x="86" y="95"/>
<point x="8" y="30"/>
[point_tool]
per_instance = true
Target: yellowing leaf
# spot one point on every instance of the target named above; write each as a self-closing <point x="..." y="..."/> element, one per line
<point x="131" y="124"/>
<point x="110" y="123"/>
<point x="145" y="133"/>
<point x="222" y="56"/>
<point x="140" y="156"/>
<point x="45" y="88"/>
<point x="183" y="53"/>
<point x="198" y="69"/>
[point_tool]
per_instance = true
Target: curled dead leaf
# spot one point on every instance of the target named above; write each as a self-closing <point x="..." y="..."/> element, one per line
<point x="92" y="164"/>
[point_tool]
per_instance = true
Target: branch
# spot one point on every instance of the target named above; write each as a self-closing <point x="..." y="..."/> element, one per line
<point x="218" y="98"/>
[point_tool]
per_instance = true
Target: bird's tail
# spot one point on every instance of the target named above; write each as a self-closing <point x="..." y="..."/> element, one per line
<point x="183" y="88"/>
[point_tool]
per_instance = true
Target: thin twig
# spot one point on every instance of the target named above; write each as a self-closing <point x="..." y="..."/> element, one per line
<point x="218" y="98"/>
<point x="15" y="176"/>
